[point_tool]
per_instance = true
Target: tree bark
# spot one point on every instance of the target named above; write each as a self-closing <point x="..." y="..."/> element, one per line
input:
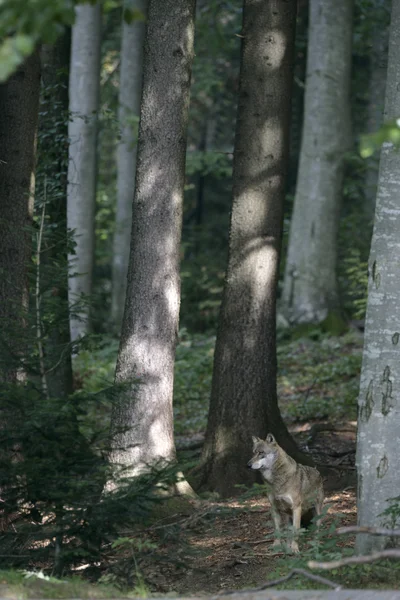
<point x="84" y="87"/>
<point x="376" y="88"/>
<point x="52" y="191"/>
<point x="150" y="323"/>
<point x="130" y="93"/>
<point x="19" y="103"/>
<point x="379" y="408"/>
<point x="310" y="286"/>
<point x="244" y="396"/>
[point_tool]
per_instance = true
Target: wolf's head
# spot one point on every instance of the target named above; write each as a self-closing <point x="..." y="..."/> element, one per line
<point x="265" y="453"/>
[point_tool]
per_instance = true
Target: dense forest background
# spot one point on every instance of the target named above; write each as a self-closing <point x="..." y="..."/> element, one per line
<point x="132" y="135"/>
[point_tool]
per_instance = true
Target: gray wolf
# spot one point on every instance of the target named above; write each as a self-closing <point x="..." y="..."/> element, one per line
<point x="294" y="490"/>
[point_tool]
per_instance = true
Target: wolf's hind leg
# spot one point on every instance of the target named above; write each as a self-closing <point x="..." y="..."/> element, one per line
<point x="296" y="526"/>
<point x="318" y="507"/>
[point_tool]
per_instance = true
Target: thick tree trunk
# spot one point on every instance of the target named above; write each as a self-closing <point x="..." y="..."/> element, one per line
<point x="19" y="103"/>
<point x="130" y="93"/>
<point x="244" y="397"/>
<point x="376" y="89"/>
<point x="310" y="287"/>
<point x="52" y="178"/>
<point x="84" y="86"/>
<point x="379" y="399"/>
<point x="150" y="323"/>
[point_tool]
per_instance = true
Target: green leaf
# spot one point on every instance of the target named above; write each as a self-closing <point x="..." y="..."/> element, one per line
<point x="132" y="15"/>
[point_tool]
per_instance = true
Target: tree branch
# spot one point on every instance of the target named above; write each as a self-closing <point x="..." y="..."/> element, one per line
<point x="370" y="530"/>
<point x="354" y="560"/>
<point x="292" y="573"/>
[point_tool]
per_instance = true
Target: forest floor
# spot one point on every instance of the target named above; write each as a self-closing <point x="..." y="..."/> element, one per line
<point x="223" y="546"/>
<point x="213" y="546"/>
<point x="226" y="545"/>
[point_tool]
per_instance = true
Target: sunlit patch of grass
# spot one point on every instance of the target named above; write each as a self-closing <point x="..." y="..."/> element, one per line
<point x="30" y="584"/>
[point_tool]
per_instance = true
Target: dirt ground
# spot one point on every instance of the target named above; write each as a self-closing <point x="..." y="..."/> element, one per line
<point x="227" y="545"/>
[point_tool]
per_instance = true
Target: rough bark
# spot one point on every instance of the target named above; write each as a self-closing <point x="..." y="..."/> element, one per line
<point x="150" y="323"/>
<point x="19" y="102"/>
<point x="310" y="286"/>
<point x="130" y="93"/>
<point x="376" y="92"/>
<point x="84" y="86"/>
<point x="379" y="399"/>
<point x="244" y="396"/>
<point x="52" y="178"/>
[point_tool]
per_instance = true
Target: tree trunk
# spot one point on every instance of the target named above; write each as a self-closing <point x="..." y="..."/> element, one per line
<point x="379" y="415"/>
<point x="84" y="88"/>
<point x="19" y="103"/>
<point x="244" y="396"/>
<point x="150" y="323"/>
<point x="52" y="191"/>
<point x="310" y="287"/>
<point x="130" y="93"/>
<point x="377" y="86"/>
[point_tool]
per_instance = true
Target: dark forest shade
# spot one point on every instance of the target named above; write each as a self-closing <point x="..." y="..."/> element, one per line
<point x="52" y="169"/>
<point x="19" y="101"/>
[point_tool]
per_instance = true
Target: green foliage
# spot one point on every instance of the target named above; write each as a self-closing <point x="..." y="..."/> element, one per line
<point x="25" y="23"/>
<point x="218" y="164"/>
<point x="355" y="272"/>
<point x="388" y="133"/>
<point x="192" y="382"/>
<point x="35" y="584"/>
<point x="391" y="514"/>
<point x="56" y="487"/>
<point x="132" y="15"/>
<point x="354" y="241"/>
<point x="202" y="273"/>
<point x="319" y="378"/>
<point x="94" y="366"/>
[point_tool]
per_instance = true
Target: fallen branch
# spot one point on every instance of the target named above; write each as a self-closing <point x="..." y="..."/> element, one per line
<point x="292" y="573"/>
<point x="320" y="427"/>
<point x="354" y="560"/>
<point x="370" y="530"/>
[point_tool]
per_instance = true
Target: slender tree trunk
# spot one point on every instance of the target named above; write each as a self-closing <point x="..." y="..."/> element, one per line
<point x="130" y="93"/>
<point x="84" y="87"/>
<point x="310" y="287"/>
<point x="150" y="323"/>
<point x="52" y="178"/>
<point x="377" y="87"/>
<point x="19" y="102"/>
<point x="379" y="408"/>
<point x="244" y="396"/>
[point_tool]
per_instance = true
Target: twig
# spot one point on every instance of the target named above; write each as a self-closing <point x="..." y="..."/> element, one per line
<point x="370" y="530"/>
<point x="292" y="573"/>
<point x="354" y="560"/>
<point x="38" y="299"/>
<point x="262" y="554"/>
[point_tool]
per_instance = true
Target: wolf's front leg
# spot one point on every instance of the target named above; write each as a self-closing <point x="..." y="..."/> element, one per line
<point x="296" y="526"/>
<point x="277" y="519"/>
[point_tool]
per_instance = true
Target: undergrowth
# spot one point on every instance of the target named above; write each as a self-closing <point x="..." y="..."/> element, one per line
<point x="318" y="377"/>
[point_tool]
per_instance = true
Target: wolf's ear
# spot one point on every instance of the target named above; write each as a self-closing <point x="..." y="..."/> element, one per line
<point x="255" y="439"/>
<point x="270" y="439"/>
